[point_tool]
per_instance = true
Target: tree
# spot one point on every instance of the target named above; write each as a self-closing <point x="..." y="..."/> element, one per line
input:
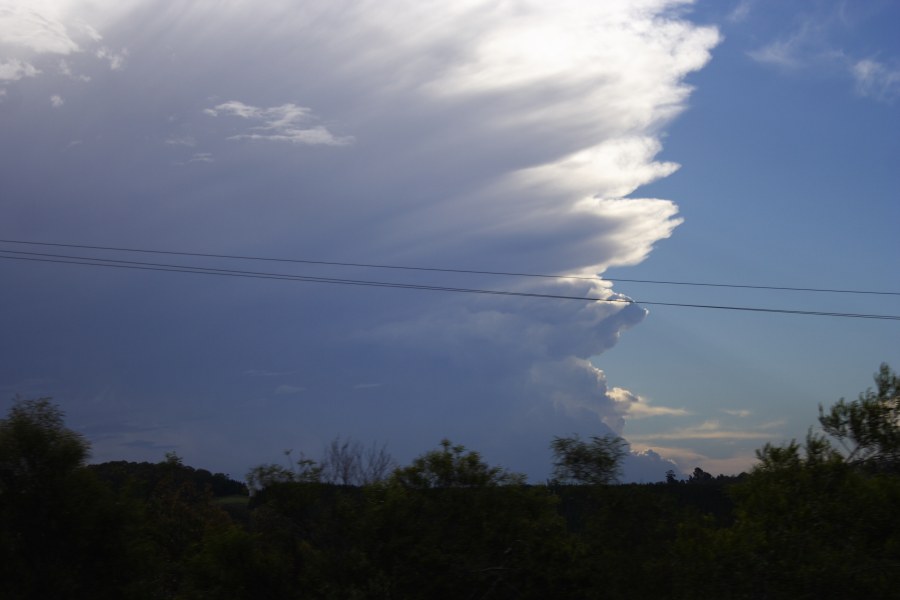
<point x="869" y="428"/>
<point x="62" y="532"/>
<point x="595" y="462"/>
<point x="453" y="467"/>
<point x="36" y="448"/>
<point x="699" y="476"/>
<point x="304" y="470"/>
<point x="347" y="462"/>
<point x="451" y="526"/>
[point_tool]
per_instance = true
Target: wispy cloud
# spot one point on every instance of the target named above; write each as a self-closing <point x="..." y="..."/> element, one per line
<point x="804" y="45"/>
<point x="741" y="11"/>
<point x="810" y="45"/>
<point x="204" y="157"/>
<point x="14" y="69"/>
<point x="742" y="413"/>
<point x="56" y="101"/>
<point x="66" y="70"/>
<point x="283" y="123"/>
<point x="708" y="430"/>
<point x="876" y="80"/>
<point x="184" y="140"/>
<point x="116" y="60"/>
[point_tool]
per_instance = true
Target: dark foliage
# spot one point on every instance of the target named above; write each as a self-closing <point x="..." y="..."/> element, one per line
<point x="141" y="478"/>
<point x="808" y="521"/>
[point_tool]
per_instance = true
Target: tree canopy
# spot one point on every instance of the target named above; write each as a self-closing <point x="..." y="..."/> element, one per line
<point x="452" y="466"/>
<point x="868" y="428"/>
<point x="597" y="461"/>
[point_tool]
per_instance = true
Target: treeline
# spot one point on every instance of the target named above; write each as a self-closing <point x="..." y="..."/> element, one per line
<point x="811" y="520"/>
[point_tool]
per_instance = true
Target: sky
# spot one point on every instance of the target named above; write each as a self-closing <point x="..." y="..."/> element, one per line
<point x="746" y="143"/>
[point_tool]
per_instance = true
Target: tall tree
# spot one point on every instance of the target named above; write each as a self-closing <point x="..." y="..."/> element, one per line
<point x="62" y="532"/>
<point x="597" y="461"/>
<point x="868" y="428"/>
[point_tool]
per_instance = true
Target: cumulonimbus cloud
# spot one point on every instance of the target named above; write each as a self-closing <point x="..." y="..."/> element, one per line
<point x="493" y="136"/>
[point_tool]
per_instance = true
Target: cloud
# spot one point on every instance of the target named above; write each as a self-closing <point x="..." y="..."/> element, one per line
<point x="12" y="70"/>
<point x="116" y="60"/>
<point x="32" y="31"/>
<point x="742" y="413"/>
<point x="741" y="11"/>
<point x="279" y="123"/>
<point x="204" y="157"/>
<point x="810" y="45"/>
<point x="66" y="70"/>
<point x="780" y="53"/>
<point x="184" y="140"/>
<point x="687" y="459"/>
<point x="710" y="430"/>
<point x="646" y="466"/>
<point x="635" y="407"/>
<point x="495" y="136"/>
<point x="36" y="26"/>
<point x="876" y="80"/>
<point x="56" y="101"/>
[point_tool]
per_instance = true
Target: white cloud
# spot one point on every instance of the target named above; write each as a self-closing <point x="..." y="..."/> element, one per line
<point x="30" y="30"/>
<point x="279" y="123"/>
<point x="37" y="26"/>
<point x="490" y="135"/>
<point x="780" y="53"/>
<point x="116" y="60"/>
<point x="12" y="70"/>
<point x="646" y="466"/>
<point x="741" y="11"/>
<point x="635" y="407"/>
<point x="56" y="101"/>
<point x="809" y="46"/>
<point x="876" y="80"/>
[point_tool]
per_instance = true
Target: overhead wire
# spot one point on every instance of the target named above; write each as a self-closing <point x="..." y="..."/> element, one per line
<point x="200" y="270"/>
<point x="450" y="270"/>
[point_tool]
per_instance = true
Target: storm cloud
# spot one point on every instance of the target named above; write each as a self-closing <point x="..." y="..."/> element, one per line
<point x="478" y="136"/>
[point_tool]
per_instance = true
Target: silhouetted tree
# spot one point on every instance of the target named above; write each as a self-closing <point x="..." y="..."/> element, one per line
<point x="452" y="467"/>
<point x="348" y="462"/>
<point x="868" y="428"/>
<point x="63" y="534"/>
<point x="595" y="462"/>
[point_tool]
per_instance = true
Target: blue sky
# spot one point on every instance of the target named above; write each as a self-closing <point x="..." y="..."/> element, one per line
<point x="726" y="142"/>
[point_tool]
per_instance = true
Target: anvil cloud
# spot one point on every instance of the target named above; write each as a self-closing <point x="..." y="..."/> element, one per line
<point x="468" y="135"/>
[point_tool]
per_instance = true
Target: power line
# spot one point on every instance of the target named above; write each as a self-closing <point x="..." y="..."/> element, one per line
<point x="138" y="265"/>
<point x="448" y="270"/>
